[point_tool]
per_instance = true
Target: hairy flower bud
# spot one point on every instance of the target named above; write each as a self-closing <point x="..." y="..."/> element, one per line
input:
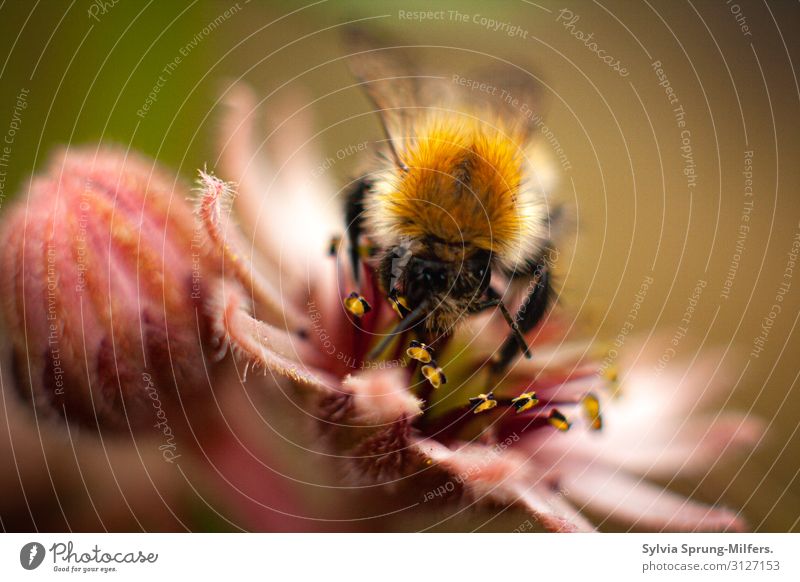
<point x="100" y="286"/>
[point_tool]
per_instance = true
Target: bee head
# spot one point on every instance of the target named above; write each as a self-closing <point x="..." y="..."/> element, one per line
<point x="436" y="277"/>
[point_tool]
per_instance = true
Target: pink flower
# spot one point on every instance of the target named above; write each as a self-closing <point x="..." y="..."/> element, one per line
<point x="551" y="436"/>
<point x="165" y="295"/>
<point x="110" y="285"/>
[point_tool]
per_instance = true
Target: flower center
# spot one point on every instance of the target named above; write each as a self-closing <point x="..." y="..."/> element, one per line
<point x="462" y="400"/>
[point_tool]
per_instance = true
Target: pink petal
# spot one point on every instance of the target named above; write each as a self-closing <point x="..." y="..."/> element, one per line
<point x="242" y="162"/>
<point x="272" y="197"/>
<point x="663" y="451"/>
<point x="680" y="388"/>
<point x="698" y="445"/>
<point x="262" y="344"/>
<point x="214" y="193"/>
<point x="619" y="495"/>
<point x="382" y="396"/>
<point x="506" y="477"/>
<point x="552" y="510"/>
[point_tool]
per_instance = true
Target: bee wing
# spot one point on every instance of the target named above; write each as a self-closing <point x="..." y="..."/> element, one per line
<point x="515" y="93"/>
<point x="387" y="77"/>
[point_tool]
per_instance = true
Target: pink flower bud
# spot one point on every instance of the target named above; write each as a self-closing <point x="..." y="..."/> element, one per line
<point x="100" y="285"/>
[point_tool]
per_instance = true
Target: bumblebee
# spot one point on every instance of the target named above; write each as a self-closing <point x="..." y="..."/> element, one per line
<point x="455" y="202"/>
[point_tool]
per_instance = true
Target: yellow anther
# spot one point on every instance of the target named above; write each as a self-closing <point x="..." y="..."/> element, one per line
<point x="434" y="374"/>
<point x="400" y="305"/>
<point x="356" y="304"/>
<point x="336" y="242"/>
<point x="420" y="352"/>
<point x="483" y="402"/>
<point x="611" y="374"/>
<point x="558" y="420"/>
<point x="366" y="251"/>
<point x="525" y="401"/>
<point x="591" y="405"/>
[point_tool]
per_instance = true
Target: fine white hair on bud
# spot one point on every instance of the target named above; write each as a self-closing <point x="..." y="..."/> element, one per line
<point x="380" y="396"/>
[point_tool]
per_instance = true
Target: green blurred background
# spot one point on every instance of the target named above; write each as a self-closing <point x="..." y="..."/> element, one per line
<point x="88" y="67"/>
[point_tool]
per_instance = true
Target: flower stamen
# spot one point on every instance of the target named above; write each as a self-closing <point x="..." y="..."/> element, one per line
<point x="483" y="402"/>
<point x="591" y="405"/>
<point x="357" y="305"/>
<point x="399" y="304"/>
<point x="420" y="352"/>
<point x="334" y="245"/>
<point x="558" y="420"/>
<point x="525" y="401"/>
<point x="434" y="374"/>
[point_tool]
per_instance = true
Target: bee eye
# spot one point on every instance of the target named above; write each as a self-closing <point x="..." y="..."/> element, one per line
<point x="436" y="278"/>
<point x="483" y="273"/>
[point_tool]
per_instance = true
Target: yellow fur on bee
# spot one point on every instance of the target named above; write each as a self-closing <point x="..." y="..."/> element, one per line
<point x="465" y="184"/>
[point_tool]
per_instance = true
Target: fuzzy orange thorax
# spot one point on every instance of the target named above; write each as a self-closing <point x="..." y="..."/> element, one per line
<point x="462" y="185"/>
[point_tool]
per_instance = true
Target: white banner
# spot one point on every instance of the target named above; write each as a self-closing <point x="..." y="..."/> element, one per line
<point x="354" y="557"/>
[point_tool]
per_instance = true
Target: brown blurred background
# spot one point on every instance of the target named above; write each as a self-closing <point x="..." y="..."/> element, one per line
<point x="83" y="70"/>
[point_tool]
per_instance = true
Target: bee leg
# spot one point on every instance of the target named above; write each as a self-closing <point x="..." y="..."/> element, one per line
<point x="528" y="316"/>
<point x="354" y="219"/>
<point x="515" y="336"/>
